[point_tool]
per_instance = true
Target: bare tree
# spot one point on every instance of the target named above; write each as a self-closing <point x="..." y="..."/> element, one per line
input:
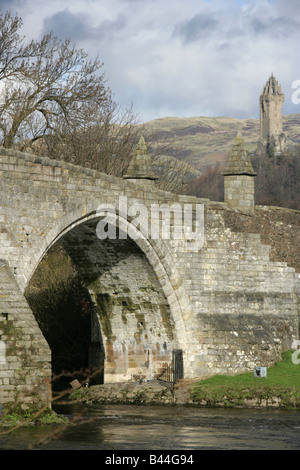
<point x="54" y="101"/>
<point x="44" y="84"/>
<point x="103" y="142"/>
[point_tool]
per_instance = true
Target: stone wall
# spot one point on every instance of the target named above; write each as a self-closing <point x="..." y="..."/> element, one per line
<point x="239" y="192"/>
<point x="25" y="357"/>
<point x="278" y="227"/>
<point x="136" y="325"/>
<point x="246" y="305"/>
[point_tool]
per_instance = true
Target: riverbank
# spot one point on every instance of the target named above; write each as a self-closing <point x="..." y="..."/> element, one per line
<point x="146" y="393"/>
<point x="280" y="389"/>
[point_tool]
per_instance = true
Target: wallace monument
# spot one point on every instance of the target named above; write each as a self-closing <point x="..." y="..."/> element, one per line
<point x="272" y="139"/>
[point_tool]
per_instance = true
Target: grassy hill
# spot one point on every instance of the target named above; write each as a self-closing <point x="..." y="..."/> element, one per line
<point x="204" y="141"/>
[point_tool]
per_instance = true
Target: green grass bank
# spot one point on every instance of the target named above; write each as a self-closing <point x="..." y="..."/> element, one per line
<point x="280" y="389"/>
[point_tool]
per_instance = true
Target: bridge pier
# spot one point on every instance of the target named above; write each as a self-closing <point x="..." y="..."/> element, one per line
<point x="25" y="361"/>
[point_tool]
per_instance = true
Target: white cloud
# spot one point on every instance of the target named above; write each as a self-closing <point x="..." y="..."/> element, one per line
<point x="169" y="57"/>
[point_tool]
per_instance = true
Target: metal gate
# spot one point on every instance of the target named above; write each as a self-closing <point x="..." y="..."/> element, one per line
<point x="173" y="372"/>
<point x="177" y="363"/>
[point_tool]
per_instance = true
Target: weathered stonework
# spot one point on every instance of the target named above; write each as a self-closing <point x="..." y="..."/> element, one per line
<point x="136" y="326"/>
<point x="230" y="306"/>
<point x="25" y="368"/>
<point x="239" y="178"/>
<point x="140" y="167"/>
<point x="272" y="138"/>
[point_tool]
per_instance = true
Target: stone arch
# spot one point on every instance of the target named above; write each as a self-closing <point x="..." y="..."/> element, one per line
<point x="155" y="251"/>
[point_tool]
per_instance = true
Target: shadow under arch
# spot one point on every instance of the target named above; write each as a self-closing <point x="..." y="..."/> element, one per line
<point x="155" y="251"/>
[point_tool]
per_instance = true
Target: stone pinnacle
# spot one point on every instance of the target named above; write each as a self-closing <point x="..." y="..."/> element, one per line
<point x="239" y="162"/>
<point x="140" y="166"/>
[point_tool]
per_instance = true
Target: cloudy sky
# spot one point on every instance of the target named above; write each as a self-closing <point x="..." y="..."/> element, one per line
<point x="180" y="57"/>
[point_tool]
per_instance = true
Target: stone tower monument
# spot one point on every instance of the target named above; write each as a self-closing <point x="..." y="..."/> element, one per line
<point x="272" y="139"/>
<point x="239" y="178"/>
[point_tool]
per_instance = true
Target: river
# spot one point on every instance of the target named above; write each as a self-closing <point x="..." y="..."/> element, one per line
<point x="121" y="428"/>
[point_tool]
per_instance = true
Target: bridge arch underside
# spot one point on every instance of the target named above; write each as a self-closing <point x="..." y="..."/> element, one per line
<point x="133" y="330"/>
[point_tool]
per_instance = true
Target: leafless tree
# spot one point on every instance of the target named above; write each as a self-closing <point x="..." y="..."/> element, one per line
<point x="54" y="101"/>
<point x="45" y="84"/>
<point x="103" y="142"/>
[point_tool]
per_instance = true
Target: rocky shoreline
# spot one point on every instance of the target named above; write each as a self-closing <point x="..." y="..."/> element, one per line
<point x="147" y="393"/>
<point x="154" y="393"/>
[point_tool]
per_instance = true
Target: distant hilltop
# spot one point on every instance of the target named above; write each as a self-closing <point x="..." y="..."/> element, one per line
<point x="204" y="141"/>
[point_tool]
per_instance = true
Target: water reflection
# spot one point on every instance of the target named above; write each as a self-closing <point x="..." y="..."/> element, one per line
<point x="162" y="428"/>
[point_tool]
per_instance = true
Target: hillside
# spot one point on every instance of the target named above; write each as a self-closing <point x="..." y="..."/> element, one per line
<point x="204" y="141"/>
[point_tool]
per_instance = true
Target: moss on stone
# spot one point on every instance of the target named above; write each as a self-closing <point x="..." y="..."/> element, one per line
<point x="105" y="305"/>
<point x="167" y="321"/>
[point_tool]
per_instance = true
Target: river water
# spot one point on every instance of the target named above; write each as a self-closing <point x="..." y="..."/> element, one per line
<point x="132" y="428"/>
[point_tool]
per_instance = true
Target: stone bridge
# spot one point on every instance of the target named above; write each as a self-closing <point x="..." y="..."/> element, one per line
<point x="229" y="301"/>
